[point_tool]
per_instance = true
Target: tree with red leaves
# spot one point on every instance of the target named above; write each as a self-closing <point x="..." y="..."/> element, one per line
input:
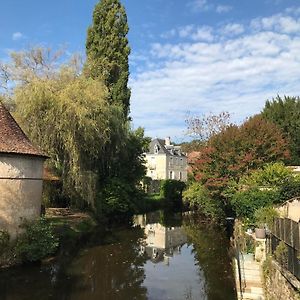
<point x="237" y="150"/>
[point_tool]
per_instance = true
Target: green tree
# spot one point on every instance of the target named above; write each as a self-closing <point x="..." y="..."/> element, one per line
<point x="271" y="175"/>
<point x="107" y="50"/>
<point x="197" y="197"/>
<point x="245" y="203"/>
<point x="285" y="113"/>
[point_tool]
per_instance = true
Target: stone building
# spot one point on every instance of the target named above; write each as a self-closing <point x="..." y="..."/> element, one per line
<point x="21" y="176"/>
<point x="166" y="161"/>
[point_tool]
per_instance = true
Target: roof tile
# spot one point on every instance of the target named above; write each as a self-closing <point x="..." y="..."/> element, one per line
<point x="12" y="138"/>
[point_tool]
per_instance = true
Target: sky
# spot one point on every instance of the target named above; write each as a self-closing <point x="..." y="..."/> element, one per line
<point x="188" y="57"/>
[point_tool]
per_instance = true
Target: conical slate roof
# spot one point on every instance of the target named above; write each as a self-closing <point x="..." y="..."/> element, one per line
<point x="12" y="138"/>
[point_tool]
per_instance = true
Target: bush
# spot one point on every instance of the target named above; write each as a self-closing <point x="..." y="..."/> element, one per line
<point x="197" y="197"/>
<point x="37" y="242"/>
<point x="290" y="188"/>
<point x="265" y="216"/>
<point x="281" y="253"/>
<point x="270" y="175"/>
<point x="118" y="198"/>
<point x="245" y="203"/>
<point x="171" y="191"/>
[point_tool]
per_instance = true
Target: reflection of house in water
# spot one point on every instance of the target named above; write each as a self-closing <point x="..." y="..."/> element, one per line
<point x="161" y="242"/>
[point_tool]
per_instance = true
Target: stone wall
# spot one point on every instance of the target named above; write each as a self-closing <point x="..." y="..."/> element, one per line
<point x="20" y="190"/>
<point x="279" y="283"/>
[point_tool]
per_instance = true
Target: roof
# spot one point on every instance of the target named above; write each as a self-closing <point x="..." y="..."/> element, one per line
<point x="164" y="149"/>
<point x="12" y="138"/>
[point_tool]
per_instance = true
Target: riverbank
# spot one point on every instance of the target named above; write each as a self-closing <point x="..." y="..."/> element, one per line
<point x="66" y="221"/>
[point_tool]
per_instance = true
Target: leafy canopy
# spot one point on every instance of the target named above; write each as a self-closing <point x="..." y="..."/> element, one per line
<point x="285" y="113"/>
<point x="237" y="150"/>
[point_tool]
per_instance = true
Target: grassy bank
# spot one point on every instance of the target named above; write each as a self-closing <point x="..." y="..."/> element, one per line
<point x="150" y="202"/>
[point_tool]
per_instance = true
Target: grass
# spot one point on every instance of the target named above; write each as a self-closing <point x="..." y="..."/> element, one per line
<point x="70" y="223"/>
<point x="150" y="202"/>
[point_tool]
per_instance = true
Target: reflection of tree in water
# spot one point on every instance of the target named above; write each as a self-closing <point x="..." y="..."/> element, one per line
<point x="110" y="271"/>
<point x="211" y="253"/>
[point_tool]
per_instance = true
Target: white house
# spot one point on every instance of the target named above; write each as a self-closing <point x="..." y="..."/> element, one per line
<point x="166" y="161"/>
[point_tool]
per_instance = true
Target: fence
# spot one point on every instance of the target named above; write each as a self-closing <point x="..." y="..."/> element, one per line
<point x="287" y="230"/>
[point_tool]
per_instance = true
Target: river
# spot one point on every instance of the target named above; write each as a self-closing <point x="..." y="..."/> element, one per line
<point x="159" y="256"/>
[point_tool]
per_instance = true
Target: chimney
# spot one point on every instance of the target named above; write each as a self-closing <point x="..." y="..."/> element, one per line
<point x="168" y="141"/>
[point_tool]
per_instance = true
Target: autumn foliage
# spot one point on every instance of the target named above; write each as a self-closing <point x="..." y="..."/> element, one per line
<point x="237" y="150"/>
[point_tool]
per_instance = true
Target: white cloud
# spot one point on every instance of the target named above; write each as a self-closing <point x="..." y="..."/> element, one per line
<point x="203" y="33"/>
<point x="232" y="29"/>
<point x="279" y="23"/>
<point x="234" y="73"/>
<point x="204" y="5"/>
<point x="199" y="5"/>
<point x="17" y="36"/>
<point x="186" y="31"/>
<point x="293" y="10"/>
<point x="223" y="8"/>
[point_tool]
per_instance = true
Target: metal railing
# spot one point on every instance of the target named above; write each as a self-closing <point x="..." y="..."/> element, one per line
<point x="287" y="230"/>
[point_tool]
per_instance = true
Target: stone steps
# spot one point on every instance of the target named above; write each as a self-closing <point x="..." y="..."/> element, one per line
<point x="252" y="281"/>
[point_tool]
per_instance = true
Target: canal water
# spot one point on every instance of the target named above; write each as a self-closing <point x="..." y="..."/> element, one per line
<point x="159" y="256"/>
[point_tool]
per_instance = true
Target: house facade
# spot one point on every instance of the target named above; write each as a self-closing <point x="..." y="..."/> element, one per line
<point x="21" y="176"/>
<point x="160" y="242"/>
<point x="166" y="161"/>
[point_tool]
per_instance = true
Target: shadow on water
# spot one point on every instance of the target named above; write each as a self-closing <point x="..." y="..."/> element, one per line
<point x="162" y="256"/>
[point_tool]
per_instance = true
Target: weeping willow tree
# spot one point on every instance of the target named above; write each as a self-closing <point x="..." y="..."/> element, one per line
<point x="70" y="116"/>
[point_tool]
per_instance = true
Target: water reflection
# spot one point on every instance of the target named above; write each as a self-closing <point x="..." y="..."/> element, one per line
<point x="160" y="242"/>
<point x="162" y="256"/>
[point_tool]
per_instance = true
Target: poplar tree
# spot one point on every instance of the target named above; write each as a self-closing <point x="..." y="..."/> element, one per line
<point x="107" y="51"/>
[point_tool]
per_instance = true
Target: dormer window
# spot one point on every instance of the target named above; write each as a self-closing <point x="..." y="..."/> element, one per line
<point x="156" y="149"/>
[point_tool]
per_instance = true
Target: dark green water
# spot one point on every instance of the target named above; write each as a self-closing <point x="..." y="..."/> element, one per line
<point x="159" y="257"/>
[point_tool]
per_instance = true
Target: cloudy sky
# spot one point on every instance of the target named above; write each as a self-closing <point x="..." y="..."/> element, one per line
<point x="188" y="56"/>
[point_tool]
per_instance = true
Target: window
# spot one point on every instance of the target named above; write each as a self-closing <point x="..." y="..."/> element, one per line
<point x="180" y="176"/>
<point x="156" y="149"/>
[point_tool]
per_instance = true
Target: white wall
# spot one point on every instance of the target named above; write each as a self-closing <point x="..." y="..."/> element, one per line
<point x="20" y="190"/>
<point x="159" y="166"/>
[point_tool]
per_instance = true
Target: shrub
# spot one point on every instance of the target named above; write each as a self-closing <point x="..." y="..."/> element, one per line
<point x="171" y="191"/>
<point x="37" y="242"/>
<point x="118" y="197"/>
<point x="265" y="215"/>
<point x="281" y="253"/>
<point x="115" y="198"/>
<point x="197" y="197"/>
<point x="270" y="175"/>
<point x="245" y="203"/>
<point x="290" y="188"/>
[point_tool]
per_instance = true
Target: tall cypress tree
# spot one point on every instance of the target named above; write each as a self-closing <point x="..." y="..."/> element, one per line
<point x="107" y="50"/>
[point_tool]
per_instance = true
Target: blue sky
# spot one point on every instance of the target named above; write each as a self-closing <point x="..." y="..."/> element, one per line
<point x="188" y="57"/>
